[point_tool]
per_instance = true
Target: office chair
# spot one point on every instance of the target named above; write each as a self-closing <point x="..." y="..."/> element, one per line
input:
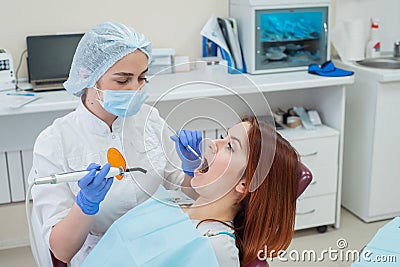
<point x="305" y="180"/>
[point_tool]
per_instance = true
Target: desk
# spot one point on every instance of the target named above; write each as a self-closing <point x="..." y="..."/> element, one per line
<point x="284" y="90"/>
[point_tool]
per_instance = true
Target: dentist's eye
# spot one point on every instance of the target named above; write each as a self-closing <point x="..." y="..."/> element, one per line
<point x="123" y="82"/>
<point x="143" y="79"/>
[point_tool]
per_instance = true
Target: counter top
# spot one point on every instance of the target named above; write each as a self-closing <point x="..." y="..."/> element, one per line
<point x="48" y="101"/>
<point x="381" y="75"/>
<point x="170" y="86"/>
<point x="191" y="84"/>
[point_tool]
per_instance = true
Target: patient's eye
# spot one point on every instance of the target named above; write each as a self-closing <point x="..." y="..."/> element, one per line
<point x="223" y="136"/>
<point x="230" y="147"/>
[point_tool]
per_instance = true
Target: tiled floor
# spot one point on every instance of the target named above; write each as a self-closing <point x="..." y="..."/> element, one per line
<point x="355" y="233"/>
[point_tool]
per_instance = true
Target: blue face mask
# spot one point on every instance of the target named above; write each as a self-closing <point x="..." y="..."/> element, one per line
<point x="123" y="103"/>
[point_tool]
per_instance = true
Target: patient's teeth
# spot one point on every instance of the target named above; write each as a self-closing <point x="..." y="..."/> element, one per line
<point x="204" y="166"/>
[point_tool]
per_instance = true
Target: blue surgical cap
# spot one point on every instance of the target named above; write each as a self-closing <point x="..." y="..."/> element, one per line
<point x="98" y="50"/>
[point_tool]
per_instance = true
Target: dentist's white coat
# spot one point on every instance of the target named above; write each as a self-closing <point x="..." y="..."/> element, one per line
<point x="79" y="138"/>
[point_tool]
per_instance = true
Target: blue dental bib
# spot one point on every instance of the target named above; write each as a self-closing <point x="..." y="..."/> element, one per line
<point x="153" y="234"/>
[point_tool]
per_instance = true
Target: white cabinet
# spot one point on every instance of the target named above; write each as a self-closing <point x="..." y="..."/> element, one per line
<point x="371" y="176"/>
<point x="319" y="151"/>
<point x="316" y="211"/>
<point x="5" y="196"/>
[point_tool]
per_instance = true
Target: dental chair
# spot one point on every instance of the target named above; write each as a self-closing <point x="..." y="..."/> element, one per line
<point x="305" y="180"/>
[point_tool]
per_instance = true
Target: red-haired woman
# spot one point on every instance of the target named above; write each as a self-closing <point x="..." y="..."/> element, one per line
<point x="258" y="219"/>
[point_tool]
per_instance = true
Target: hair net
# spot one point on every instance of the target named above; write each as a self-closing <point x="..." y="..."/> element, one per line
<point x="98" y="50"/>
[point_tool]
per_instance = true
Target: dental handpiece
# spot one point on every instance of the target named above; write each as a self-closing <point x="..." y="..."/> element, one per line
<point x="189" y="147"/>
<point x="77" y="175"/>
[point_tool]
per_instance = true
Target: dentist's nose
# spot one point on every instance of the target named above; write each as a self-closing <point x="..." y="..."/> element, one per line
<point x="135" y="85"/>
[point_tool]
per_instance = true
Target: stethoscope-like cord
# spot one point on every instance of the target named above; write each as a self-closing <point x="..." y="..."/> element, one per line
<point x="34" y="248"/>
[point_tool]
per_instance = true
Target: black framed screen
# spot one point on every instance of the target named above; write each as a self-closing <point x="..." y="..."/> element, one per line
<point x="50" y="56"/>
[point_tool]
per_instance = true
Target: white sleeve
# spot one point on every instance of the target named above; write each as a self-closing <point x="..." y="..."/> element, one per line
<point x="225" y="250"/>
<point x="173" y="175"/>
<point x="51" y="203"/>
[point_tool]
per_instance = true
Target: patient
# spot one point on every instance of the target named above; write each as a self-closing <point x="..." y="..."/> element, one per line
<point x="251" y="216"/>
<point x="247" y="200"/>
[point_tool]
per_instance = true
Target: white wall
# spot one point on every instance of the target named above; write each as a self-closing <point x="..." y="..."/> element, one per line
<point x="388" y="11"/>
<point x="172" y="23"/>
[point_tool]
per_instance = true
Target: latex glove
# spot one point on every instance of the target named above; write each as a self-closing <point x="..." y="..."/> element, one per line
<point x="93" y="188"/>
<point x="189" y="161"/>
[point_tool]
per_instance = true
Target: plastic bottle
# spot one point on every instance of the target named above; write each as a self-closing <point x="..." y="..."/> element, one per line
<point x="373" y="47"/>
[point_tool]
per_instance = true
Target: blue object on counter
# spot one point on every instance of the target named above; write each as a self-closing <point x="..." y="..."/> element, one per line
<point x="328" y="69"/>
<point x="16" y="94"/>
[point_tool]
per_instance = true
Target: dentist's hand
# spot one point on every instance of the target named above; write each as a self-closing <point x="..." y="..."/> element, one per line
<point x="93" y="188"/>
<point x="189" y="161"/>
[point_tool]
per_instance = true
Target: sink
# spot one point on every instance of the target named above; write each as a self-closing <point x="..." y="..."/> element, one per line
<point x="381" y="62"/>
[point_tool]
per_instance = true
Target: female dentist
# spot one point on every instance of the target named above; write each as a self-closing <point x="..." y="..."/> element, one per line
<point x="108" y="74"/>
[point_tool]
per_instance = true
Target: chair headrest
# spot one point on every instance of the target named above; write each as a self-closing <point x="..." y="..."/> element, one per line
<point x="305" y="179"/>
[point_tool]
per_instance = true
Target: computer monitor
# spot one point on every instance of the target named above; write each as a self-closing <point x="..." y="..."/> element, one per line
<point x="50" y="58"/>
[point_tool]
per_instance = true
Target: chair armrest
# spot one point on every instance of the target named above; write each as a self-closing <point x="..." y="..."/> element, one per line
<point x="56" y="262"/>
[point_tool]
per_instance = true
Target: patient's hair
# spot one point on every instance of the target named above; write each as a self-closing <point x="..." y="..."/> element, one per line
<point x="266" y="216"/>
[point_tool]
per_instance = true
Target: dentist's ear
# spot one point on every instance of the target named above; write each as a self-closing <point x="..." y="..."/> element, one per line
<point x="241" y="186"/>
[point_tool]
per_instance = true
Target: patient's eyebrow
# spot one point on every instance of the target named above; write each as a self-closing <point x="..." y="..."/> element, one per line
<point x="236" y="139"/>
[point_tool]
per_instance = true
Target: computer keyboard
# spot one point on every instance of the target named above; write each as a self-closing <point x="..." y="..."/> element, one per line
<point x="47" y="85"/>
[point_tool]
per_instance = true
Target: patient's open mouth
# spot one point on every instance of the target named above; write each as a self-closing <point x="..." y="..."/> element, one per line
<point x="204" y="166"/>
